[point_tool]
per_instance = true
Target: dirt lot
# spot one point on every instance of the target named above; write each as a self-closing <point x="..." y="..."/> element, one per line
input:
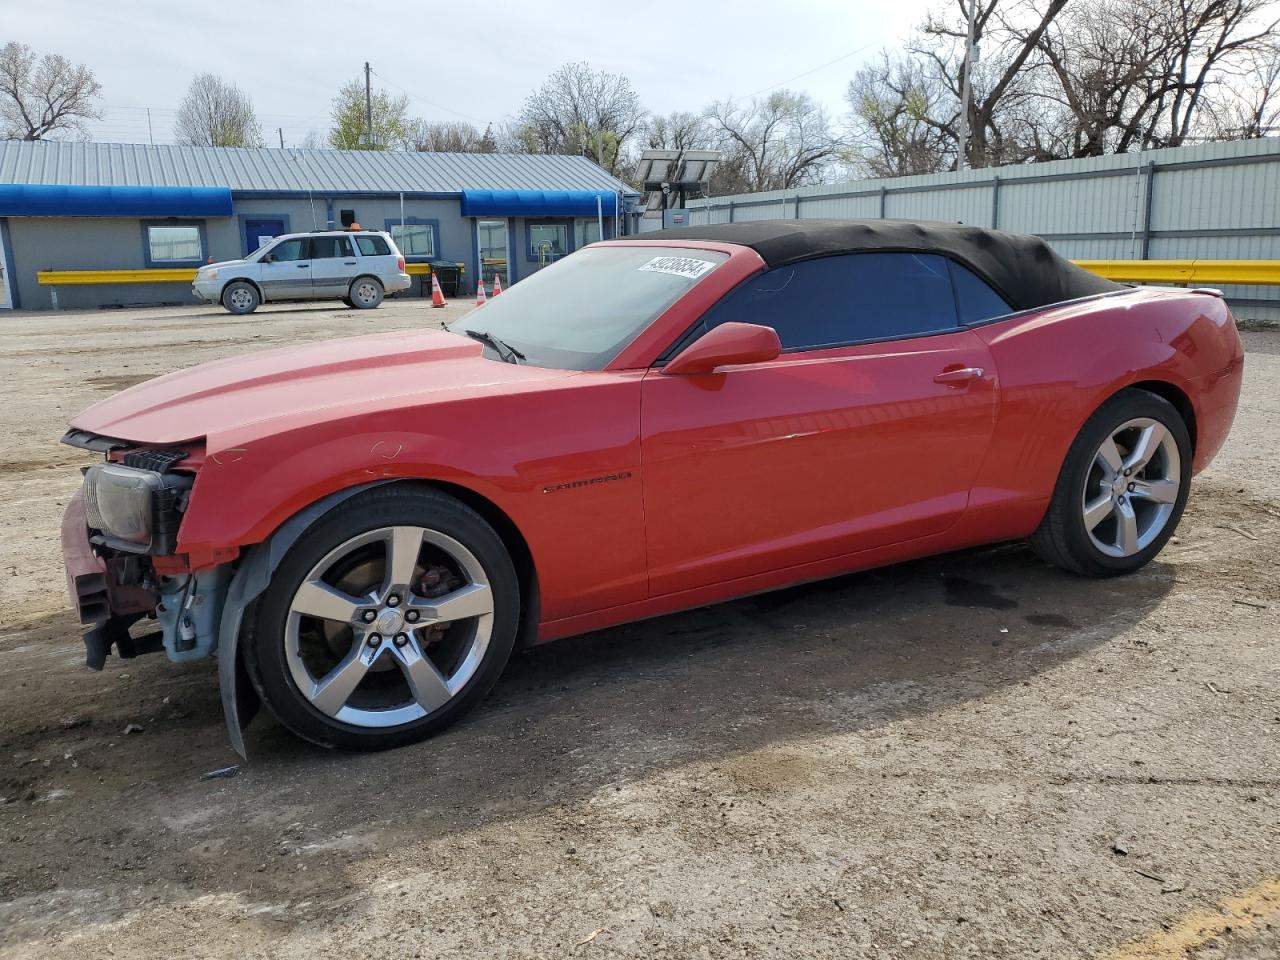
<point x="973" y="755"/>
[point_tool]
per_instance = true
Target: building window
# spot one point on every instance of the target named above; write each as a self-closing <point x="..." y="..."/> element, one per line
<point x="415" y="238"/>
<point x="174" y="243"/>
<point x="548" y="241"/>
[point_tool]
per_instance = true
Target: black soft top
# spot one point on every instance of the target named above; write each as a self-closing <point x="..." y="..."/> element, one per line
<point x="1024" y="270"/>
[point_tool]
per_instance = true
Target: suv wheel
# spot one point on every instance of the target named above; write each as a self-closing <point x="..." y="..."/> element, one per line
<point x="241" y="297"/>
<point x="366" y="293"/>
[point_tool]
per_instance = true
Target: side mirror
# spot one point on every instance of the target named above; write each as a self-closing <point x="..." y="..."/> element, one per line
<point x="726" y="345"/>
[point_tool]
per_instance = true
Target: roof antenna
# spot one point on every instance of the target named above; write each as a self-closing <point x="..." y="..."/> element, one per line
<point x="293" y="155"/>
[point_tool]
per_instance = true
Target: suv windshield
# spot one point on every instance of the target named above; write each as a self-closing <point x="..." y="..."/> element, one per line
<point x="578" y="313"/>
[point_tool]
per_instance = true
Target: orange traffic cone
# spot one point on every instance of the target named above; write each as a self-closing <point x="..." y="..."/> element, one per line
<point x="497" y="285"/>
<point x="480" y="297"/>
<point x="437" y="295"/>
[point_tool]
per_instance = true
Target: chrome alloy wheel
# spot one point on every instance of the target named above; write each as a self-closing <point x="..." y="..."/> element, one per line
<point x="389" y="626"/>
<point x="1132" y="487"/>
<point x="241" y="299"/>
<point x="366" y="292"/>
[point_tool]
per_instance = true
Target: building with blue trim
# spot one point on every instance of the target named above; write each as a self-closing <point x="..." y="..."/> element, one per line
<point x="132" y="207"/>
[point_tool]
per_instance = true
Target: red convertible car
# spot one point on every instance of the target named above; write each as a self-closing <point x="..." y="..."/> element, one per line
<point x="363" y="529"/>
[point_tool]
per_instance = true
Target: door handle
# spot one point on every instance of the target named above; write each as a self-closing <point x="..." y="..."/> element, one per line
<point x="348" y="263"/>
<point x="303" y="266"/>
<point x="959" y="377"/>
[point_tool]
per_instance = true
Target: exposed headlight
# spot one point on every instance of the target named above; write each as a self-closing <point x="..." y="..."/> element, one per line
<point x="204" y="273"/>
<point x="134" y="510"/>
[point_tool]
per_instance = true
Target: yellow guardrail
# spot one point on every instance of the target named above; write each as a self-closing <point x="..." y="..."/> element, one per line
<point x="1250" y="272"/>
<point x="59" y="278"/>
<point x="1198" y="272"/>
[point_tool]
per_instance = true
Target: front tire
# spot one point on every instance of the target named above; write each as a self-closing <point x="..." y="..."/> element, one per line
<point x="386" y="621"/>
<point x="366" y="293"/>
<point x="241" y="297"/>
<point x="1122" y="488"/>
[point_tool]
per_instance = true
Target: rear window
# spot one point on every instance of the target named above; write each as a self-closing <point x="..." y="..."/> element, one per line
<point x="372" y="245"/>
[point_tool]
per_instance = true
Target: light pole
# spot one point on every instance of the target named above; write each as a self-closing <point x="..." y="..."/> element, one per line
<point x="966" y="91"/>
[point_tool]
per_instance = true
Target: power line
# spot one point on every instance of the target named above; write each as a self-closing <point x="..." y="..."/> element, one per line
<point x="801" y="76"/>
<point x="430" y="103"/>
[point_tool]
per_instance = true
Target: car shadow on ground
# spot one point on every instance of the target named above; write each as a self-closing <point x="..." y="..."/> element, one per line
<point x="568" y="719"/>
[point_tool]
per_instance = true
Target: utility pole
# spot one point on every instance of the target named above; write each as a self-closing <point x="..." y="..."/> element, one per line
<point x="368" y="105"/>
<point x="150" y="135"/>
<point x="966" y="89"/>
<point x="280" y="130"/>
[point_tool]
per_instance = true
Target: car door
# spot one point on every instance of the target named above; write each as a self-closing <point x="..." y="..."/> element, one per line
<point x="333" y="265"/>
<point x="286" y="270"/>
<point x="838" y="445"/>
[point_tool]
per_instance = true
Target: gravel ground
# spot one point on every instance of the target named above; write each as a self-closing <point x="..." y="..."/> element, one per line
<point x="972" y="755"/>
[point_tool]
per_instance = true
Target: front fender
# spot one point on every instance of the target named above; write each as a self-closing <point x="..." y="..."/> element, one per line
<point x="251" y="579"/>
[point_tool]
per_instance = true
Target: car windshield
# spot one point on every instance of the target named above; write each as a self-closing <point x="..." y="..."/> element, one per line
<point x="578" y="313"/>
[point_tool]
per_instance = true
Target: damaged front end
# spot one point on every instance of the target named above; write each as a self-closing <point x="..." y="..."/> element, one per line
<point x="119" y="540"/>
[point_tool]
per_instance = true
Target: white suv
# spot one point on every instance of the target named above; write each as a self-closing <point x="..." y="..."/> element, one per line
<point x="357" y="266"/>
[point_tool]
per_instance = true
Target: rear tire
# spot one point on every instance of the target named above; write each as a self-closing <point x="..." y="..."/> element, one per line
<point x="1122" y="488"/>
<point x="241" y="297"/>
<point x="365" y="293"/>
<point x="415" y="607"/>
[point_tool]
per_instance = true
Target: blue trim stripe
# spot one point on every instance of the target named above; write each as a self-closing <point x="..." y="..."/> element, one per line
<point x="536" y="203"/>
<point x="42" y="200"/>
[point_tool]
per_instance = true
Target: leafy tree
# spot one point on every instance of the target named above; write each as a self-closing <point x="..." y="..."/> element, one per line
<point x="391" y="124"/>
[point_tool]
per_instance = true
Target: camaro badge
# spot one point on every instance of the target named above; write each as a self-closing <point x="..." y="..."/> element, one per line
<point x="574" y="484"/>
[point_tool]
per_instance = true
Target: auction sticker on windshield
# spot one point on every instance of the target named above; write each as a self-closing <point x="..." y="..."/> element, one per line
<point x="687" y="267"/>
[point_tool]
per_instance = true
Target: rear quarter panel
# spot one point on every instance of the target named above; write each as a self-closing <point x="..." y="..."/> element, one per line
<point x="1057" y="366"/>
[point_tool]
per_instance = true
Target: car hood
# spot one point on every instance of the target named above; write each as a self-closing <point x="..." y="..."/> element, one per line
<point x="233" y="401"/>
<point x="222" y="263"/>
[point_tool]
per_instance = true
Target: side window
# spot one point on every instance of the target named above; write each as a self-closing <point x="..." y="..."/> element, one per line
<point x="975" y="300"/>
<point x="845" y="299"/>
<point x="288" y="250"/>
<point x="372" y="245"/>
<point x="329" y="248"/>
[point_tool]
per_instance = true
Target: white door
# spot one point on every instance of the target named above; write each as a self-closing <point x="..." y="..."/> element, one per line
<point x="6" y="297"/>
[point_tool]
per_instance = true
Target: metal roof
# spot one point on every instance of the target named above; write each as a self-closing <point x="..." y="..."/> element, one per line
<point x="271" y="170"/>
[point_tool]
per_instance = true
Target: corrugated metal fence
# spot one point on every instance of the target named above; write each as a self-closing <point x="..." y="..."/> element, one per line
<point x="1218" y="201"/>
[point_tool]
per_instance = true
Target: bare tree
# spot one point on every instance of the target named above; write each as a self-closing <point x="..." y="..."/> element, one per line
<point x="44" y="98"/>
<point x="581" y="110"/>
<point x="451" y="136"/>
<point x="215" y="113"/>
<point x="391" y="124"/>
<point x="783" y="140"/>
<point x="678" y="131"/>
<point x="1249" y="105"/>
<point x="1008" y="33"/>
<point x="894" y="104"/>
<point x="1057" y="80"/>
<point x="1137" y="74"/>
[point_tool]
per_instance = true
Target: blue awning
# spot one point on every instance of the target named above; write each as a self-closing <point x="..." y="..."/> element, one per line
<point x="538" y="203"/>
<point x="45" y="200"/>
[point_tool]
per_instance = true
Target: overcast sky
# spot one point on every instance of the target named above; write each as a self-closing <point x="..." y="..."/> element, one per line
<point x="456" y="61"/>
